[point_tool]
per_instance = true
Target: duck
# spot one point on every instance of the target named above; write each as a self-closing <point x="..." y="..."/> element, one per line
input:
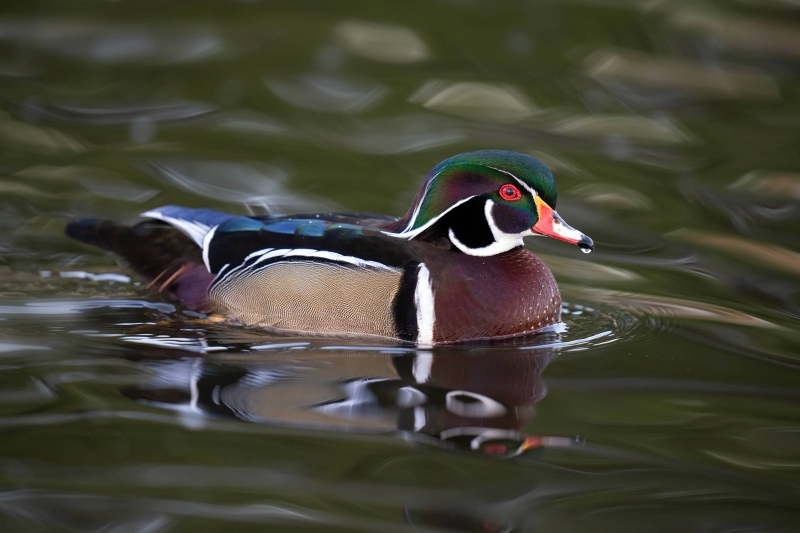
<point x="453" y="269"/>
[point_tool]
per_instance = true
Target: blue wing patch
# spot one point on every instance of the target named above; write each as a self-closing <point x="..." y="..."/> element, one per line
<point x="311" y="229"/>
<point x="207" y="217"/>
<point x="195" y="223"/>
<point x="297" y="226"/>
<point x="344" y="231"/>
<point x="240" y="224"/>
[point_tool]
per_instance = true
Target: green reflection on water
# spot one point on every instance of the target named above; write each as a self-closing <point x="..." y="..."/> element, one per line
<point x="672" y="134"/>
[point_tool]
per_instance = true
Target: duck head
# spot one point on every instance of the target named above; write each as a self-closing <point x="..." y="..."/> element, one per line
<point x="485" y="202"/>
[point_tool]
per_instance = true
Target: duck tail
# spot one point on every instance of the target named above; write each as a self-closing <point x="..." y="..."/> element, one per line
<point x="169" y="261"/>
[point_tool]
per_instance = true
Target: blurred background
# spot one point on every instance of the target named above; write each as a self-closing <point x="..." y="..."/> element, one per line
<point x="669" y="403"/>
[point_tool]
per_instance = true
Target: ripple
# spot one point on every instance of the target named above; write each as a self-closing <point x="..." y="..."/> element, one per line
<point x="749" y="34"/>
<point x="585" y="270"/>
<point x="667" y="307"/>
<point x="108" y="44"/>
<point x="589" y="328"/>
<point x="503" y="102"/>
<point x="74" y="307"/>
<point x="382" y="42"/>
<point x="259" y="184"/>
<point x="38" y="138"/>
<point x="320" y="92"/>
<point x="401" y="135"/>
<point x="771" y="255"/>
<point x="778" y="184"/>
<point x="692" y="77"/>
<point x="610" y="195"/>
<point x="13" y="347"/>
<point x="76" y="511"/>
<point x="188" y="344"/>
<point x="99" y="181"/>
<point x="249" y="122"/>
<point x="108" y="276"/>
<point x="622" y="129"/>
<point x="118" y="113"/>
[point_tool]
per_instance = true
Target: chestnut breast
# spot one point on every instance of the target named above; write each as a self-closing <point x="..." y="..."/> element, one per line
<point x="504" y="295"/>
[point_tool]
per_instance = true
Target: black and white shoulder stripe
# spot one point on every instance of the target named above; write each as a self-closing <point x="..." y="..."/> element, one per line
<point x="261" y="259"/>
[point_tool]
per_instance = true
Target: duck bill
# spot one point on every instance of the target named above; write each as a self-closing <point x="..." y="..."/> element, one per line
<point x="550" y="224"/>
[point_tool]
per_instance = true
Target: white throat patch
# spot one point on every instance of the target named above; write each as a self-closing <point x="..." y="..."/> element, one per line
<point x="503" y="242"/>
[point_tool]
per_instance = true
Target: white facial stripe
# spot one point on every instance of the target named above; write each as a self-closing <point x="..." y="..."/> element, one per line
<point x="525" y="185"/>
<point x="497" y="233"/>
<point x="423" y="300"/>
<point x="419" y="205"/>
<point x="415" y="214"/>
<point x="503" y="242"/>
<point x="194" y="230"/>
<point x="411" y="234"/>
<point x="493" y="249"/>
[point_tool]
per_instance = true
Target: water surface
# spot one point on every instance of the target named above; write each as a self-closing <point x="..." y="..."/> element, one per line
<point x="668" y="402"/>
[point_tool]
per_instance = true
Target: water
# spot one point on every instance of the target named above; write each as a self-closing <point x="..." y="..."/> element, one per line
<point x="667" y="402"/>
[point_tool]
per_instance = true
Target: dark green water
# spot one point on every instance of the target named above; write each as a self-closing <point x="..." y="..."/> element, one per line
<point x="670" y="403"/>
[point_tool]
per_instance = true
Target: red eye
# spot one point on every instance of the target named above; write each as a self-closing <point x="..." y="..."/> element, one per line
<point x="510" y="192"/>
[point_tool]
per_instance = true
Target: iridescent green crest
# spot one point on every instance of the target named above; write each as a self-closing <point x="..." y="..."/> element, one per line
<point x="481" y="173"/>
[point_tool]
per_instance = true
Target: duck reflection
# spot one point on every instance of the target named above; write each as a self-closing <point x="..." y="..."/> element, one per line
<point x="449" y="398"/>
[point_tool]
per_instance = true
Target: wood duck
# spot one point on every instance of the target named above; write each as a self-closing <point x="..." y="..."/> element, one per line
<point x="452" y="269"/>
